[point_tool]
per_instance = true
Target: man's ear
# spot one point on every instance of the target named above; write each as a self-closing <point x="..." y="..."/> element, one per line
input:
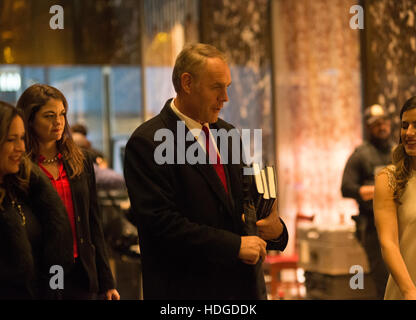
<point x="186" y="82"/>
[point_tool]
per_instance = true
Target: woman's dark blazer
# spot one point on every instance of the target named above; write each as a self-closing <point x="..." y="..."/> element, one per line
<point x="28" y="252"/>
<point x="92" y="249"/>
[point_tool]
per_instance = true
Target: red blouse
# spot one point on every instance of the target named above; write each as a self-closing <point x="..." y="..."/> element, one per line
<point x="63" y="188"/>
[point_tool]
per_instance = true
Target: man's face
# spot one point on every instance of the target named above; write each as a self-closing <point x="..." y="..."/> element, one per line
<point x="381" y="129"/>
<point x="209" y="91"/>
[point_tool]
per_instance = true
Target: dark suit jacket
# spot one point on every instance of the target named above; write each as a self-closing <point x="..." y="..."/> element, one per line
<point x="189" y="228"/>
<point x="92" y="249"/>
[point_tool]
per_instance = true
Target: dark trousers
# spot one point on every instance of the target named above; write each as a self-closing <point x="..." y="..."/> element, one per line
<point x="378" y="270"/>
<point x="76" y="284"/>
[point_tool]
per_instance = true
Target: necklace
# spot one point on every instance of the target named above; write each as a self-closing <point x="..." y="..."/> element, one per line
<point x="20" y="211"/>
<point x="49" y="161"/>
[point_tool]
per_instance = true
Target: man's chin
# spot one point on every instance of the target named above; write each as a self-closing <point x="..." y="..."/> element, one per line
<point x="215" y="116"/>
<point x="382" y="137"/>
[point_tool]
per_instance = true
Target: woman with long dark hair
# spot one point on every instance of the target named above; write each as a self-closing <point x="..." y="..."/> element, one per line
<point x="71" y="172"/>
<point x="395" y="210"/>
<point x="35" y="234"/>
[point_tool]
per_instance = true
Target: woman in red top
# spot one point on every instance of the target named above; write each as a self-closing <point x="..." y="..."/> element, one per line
<point x="71" y="172"/>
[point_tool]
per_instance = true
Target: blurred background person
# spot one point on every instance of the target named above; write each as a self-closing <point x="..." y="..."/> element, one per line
<point x="105" y="177"/>
<point x="395" y="211"/>
<point x="80" y="131"/>
<point x="71" y="172"/>
<point x="79" y="134"/>
<point x="358" y="183"/>
<point x="34" y="229"/>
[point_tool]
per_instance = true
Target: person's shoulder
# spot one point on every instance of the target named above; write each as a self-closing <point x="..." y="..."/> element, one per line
<point x="148" y="128"/>
<point x="386" y="176"/>
<point x="361" y="152"/>
<point x="224" y="124"/>
<point x="363" y="147"/>
<point x="36" y="173"/>
<point x="144" y="136"/>
<point x="389" y="169"/>
<point x="39" y="181"/>
<point x="89" y="155"/>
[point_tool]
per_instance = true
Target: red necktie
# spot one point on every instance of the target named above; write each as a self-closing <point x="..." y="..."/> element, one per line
<point x="215" y="161"/>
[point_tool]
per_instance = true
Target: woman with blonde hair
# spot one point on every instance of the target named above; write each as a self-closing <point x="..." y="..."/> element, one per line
<point x="34" y="229"/>
<point x="395" y="210"/>
<point x="71" y="172"/>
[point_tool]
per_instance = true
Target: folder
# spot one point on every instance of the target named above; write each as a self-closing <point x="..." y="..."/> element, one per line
<point x="271" y="182"/>
<point x="264" y="192"/>
<point x="258" y="189"/>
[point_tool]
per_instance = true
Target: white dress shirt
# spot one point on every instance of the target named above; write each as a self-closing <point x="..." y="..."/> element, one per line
<point x="194" y="126"/>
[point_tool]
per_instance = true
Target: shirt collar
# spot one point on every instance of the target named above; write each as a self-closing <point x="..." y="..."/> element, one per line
<point x="189" y="122"/>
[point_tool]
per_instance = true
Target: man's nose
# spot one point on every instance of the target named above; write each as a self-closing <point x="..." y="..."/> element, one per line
<point x="224" y="96"/>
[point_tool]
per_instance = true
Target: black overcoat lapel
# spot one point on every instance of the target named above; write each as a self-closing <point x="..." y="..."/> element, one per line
<point x="206" y="170"/>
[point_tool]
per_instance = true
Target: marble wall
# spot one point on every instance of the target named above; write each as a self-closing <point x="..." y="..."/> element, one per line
<point x="241" y="29"/>
<point x="390" y="54"/>
<point x="318" y="106"/>
<point x="306" y="51"/>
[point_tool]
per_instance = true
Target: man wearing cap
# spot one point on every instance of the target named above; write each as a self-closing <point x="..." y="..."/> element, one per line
<point x="358" y="183"/>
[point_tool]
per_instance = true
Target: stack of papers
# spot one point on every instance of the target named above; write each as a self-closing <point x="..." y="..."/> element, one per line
<point x="264" y="190"/>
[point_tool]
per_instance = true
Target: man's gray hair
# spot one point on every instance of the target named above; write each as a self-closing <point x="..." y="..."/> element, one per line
<point x="191" y="60"/>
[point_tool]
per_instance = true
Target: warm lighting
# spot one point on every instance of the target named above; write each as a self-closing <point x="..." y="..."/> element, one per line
<point x="8" y="57"/>
<point x="162" y="37"/>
